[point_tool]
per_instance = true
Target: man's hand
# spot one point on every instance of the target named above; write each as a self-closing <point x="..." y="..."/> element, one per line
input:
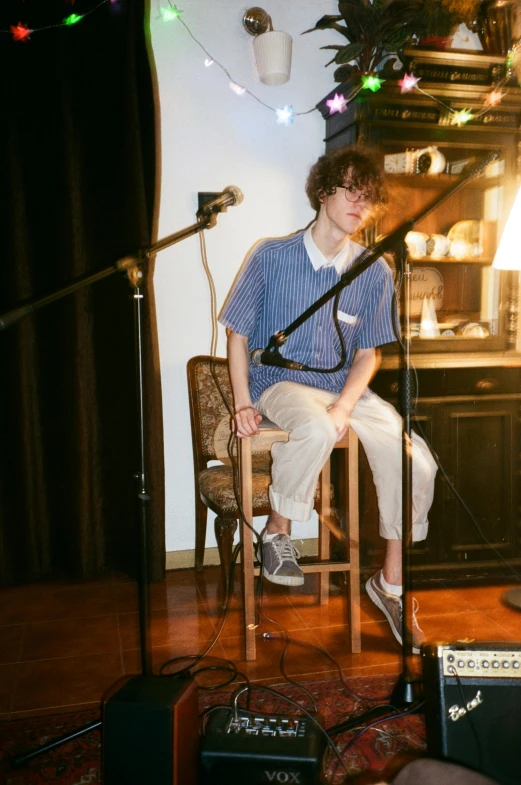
<point x="340" y="414"/>
<point x="247" y="422"/>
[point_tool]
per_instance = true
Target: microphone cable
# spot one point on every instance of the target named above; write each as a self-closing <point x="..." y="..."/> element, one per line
<point x="233" y="441"/>
<point x="232" y="453"/>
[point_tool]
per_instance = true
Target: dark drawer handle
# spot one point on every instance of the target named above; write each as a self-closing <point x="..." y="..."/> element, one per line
<point x="489" y="384"/>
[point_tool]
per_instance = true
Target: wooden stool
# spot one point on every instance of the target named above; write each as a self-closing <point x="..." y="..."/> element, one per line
<point x="270" y="433"/>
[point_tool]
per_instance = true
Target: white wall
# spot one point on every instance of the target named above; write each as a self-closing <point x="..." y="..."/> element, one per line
<point x="212" y="138"/>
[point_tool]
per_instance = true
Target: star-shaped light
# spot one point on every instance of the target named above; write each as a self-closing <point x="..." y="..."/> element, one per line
<point x="409" y="82"/>
<point x="285" y="116"/>
<point x="337" y="104"/>
<point x="237" y="88"/>
<point x="72" y="19"/>
<point x="372" y="82"/>
<point x="461" y="117"/>
<point x="172" y="12"/>
<point x="20" y="32"/>
<point x="494" y="98"/>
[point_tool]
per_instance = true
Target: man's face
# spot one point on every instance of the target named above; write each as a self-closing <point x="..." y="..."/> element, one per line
<point x="347" y="207"/>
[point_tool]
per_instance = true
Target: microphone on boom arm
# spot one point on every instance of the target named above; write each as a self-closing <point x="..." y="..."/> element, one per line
<point x="267" y="357"/>
<point x="230" y="197"/>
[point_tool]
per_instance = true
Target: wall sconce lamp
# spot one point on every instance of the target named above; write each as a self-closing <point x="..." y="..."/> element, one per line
<point x="272" y="48"/>
<point x="508" y="257"/>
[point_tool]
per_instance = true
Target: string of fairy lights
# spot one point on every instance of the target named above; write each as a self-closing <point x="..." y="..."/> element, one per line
<point x="21" y="32"/>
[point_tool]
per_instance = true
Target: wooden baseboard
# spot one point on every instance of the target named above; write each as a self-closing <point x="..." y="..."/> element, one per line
<point x="182" y="560"/>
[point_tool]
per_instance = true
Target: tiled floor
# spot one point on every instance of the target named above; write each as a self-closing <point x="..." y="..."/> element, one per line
<point x="62" y="644"/>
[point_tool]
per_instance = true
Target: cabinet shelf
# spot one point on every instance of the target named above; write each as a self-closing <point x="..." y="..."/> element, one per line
<point x="485" y="260"/>
<point x="441" y="181"/>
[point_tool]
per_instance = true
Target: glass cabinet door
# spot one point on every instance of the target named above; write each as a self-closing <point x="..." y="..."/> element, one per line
<point x="459" y="302"/>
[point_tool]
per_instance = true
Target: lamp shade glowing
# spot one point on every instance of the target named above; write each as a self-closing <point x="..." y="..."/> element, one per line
<point x="508" y="254"/>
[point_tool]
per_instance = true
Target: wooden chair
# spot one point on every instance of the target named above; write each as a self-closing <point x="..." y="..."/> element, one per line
<point x="214" y="489"/>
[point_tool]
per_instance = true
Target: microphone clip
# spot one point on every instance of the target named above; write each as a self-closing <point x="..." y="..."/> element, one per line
<point x="271" y="355"/>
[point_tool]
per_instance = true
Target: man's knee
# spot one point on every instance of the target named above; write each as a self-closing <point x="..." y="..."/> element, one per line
<point x="318" y="433"/>
<point x="425" y="467"/>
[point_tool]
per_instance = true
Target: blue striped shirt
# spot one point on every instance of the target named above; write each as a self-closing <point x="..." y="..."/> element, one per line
<point x="277" y="283"/>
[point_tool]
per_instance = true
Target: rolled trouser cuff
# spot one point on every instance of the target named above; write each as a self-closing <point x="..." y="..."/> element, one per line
<point x="289" y="508"/>
<point x="394" y="532"/>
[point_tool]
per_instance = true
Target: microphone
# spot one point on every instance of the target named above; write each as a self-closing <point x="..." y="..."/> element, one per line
<point x="264" y="357"/>
<point x="230" y="197"/>
<point x="256" y="356"/>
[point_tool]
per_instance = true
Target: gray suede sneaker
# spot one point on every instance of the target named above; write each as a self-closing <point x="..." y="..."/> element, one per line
<point x="279" y="557"/>
<point x="392" y="607"/>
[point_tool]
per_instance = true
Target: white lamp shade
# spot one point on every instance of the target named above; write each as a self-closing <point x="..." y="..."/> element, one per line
<point x="508" y="254"/>
<point x="273" y="57"/>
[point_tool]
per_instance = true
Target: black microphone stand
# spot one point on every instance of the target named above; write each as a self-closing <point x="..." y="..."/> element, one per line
<point x="404" y="693"/>
<point x="132" y="266"/>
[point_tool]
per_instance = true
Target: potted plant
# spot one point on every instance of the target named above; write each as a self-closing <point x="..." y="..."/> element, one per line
<point x="381" y="28"/>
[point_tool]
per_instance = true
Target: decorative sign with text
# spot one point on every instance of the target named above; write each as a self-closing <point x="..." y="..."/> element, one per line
<point x="426" y="282"/>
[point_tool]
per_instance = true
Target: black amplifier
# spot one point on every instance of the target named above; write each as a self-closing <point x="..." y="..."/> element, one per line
<point x="259" y="749"/>
<point x="473" y="706"/>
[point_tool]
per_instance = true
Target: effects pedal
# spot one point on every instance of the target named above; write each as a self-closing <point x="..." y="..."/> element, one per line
<point x="260" y="749"/>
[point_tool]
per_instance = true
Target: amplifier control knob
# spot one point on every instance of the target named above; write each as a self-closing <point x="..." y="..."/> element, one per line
<point x="515" y="664"/>
<point x="495" y="664"/>
<point x="471" y="663"/>
<point x="461" y="664"/>
<point x="506" y="664"/>
<point x="486" y="664"/>
<point x="450" y="658"/>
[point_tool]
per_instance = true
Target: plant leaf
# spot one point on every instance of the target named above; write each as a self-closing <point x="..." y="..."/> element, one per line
<point x="326" y="22"/>
<point x="359" y="17"/>
<point x="349" y="52"/>
<point x="338" y="49"/>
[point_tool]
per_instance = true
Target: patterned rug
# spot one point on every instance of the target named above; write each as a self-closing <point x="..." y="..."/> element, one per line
<point x="376" y="754"/>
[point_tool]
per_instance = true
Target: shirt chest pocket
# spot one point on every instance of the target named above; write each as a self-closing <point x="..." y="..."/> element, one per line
<point x="348" y="319"/>
<point x="349" y="324"/>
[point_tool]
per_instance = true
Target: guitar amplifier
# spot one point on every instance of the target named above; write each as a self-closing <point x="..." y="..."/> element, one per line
<point x="259" y="749"/>
<point x="473" y="706"/>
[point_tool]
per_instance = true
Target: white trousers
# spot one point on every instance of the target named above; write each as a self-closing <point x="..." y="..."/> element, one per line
<point x="302" y="411"/>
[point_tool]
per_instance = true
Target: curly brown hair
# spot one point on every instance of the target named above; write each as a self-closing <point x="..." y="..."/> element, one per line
<point x="331" y="169"/>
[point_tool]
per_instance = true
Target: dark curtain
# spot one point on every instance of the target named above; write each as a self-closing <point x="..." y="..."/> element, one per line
<point x="77" y="180"/>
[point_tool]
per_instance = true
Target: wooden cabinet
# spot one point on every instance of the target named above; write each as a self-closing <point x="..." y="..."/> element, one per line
<point x="471" y="418"/>
<point x="469" y="379"/>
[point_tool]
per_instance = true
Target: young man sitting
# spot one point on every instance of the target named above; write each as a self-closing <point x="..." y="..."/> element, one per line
<point x="278" y="281"/>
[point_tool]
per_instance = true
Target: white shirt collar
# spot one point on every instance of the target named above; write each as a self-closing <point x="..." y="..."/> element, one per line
<point x="340" y="262"/>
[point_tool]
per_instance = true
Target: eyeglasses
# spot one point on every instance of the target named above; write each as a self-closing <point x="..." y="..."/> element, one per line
<point x="353" y="195"/>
